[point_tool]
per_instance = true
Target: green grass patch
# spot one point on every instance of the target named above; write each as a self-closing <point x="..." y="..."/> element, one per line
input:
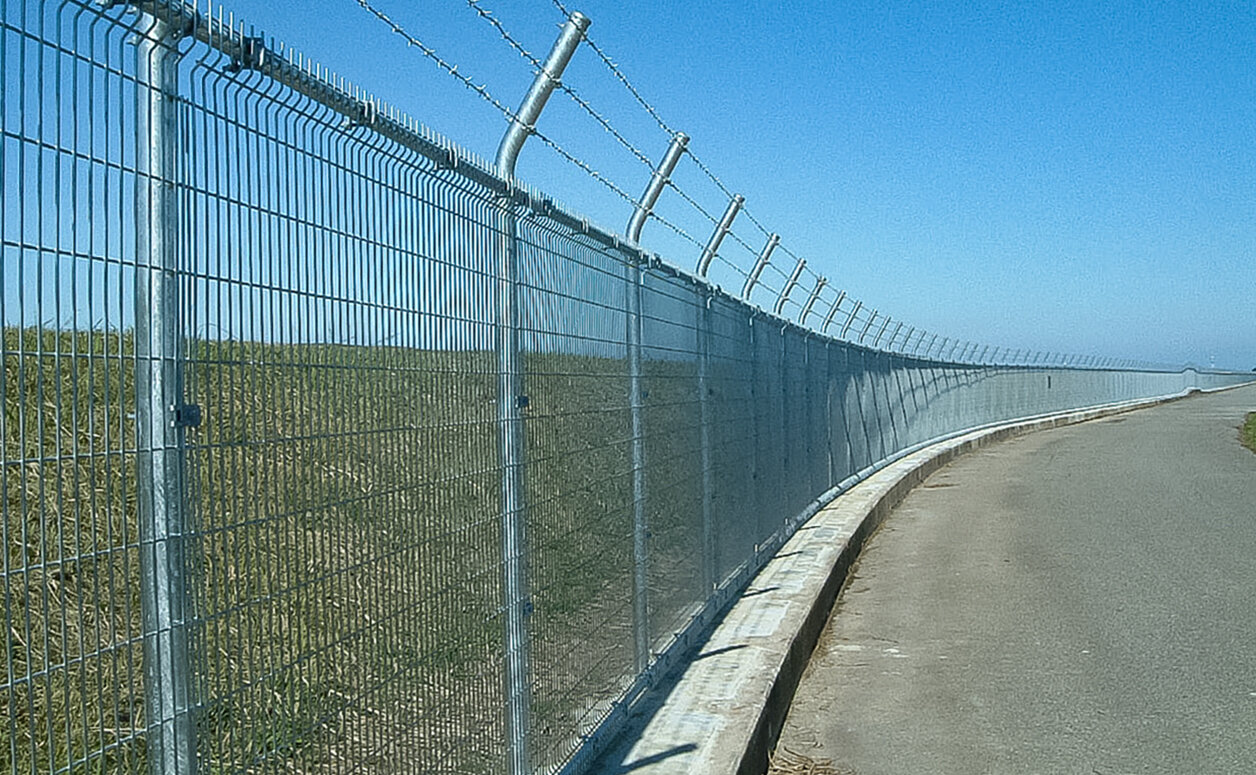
<point x="1247" y="433"/>
<point x="345" y="551"/>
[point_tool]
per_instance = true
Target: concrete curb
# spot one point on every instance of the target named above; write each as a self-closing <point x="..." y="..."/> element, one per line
<point x="724" y="713"/>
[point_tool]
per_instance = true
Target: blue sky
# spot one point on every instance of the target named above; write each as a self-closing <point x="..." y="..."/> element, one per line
<point x="1076" y="177"/>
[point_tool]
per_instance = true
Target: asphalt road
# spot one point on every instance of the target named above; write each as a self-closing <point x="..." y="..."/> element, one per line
<point x="1079" y="600"/>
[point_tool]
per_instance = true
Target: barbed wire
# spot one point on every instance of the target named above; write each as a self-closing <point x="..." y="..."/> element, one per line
<point x="614" y="68"/>
<point x="430" y="53"/>
<point x="510" y="115"/>
<point x="482" y="90"/>
<point x="488" y="16"/>
<point x="686" y="235"/>
<point x="692" y="202"/>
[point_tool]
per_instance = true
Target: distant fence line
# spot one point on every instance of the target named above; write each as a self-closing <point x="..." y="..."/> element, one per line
<point x="326" y="449"/>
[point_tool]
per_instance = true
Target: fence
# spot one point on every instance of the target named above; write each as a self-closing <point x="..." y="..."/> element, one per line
<point x="275" y="499"/>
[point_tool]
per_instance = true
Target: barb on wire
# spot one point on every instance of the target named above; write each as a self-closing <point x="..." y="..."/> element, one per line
<point x="742" y="242"/>
<point x="692" y="202"/>
<point x="679" y="231"/>
<point x="488" y="16"/>
<point x="430" y="53"/>
<point x="622" y="78"/>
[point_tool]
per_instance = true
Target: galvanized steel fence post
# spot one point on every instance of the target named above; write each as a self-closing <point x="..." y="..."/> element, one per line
<point x="828" y="317"/>
<point x="710" y="571"/>
<point x="511" y="401"/>
<point x="636" y="403"/>
<point x="765" y="255"/>
<point x="640" y="526"/>
<point x="161" y="416"/>
<point x="717" y="236"/>
<point x="789" y="286"/>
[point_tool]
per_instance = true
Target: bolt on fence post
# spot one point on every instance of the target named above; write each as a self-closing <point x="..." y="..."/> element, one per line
<point x="811" y="300"/>
<point x="850" y="319"/>
<point x="828" y="316"/>
<point x="511" y="402"/>
<point x="636" y="404"/>
<point x="764" y="256"/>
<point x="721" y="230"/>
<point x="161" y="482"/>
<point x="789" y="287"/>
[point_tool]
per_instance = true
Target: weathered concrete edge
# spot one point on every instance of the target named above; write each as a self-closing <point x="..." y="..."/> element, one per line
<point x="725" y="713"/>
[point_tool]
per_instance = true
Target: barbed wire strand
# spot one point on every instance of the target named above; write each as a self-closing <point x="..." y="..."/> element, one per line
<point x="467" y="81"/>
<point x="488" y="16"/>
<point x="483" y="92"/>
<point x="614" y="68"/>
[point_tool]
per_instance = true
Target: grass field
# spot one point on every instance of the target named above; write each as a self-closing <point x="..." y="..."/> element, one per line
<point x="345" y="551"/>
<point x="1247" y="433"/>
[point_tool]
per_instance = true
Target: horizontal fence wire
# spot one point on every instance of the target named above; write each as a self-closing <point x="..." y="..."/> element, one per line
<point x="256" y="511"/>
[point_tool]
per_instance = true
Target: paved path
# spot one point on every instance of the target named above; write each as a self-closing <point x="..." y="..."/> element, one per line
<point x="1079" y="600"/>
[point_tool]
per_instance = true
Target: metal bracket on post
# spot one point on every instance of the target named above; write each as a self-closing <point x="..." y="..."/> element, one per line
<point x="764" y="256"/>
<point x="982" y="358"/>
<point x="721" y="230"/>
<point x="828" y="316"/>
<point x="524" y="122"/>
<point x="903" y="348"/>
<point x="951" y="351"/>
<point x="941" y="347"/>
<point x="920" y="341"/>
<point x="890" y="344"/>
<point x="867" y="326"/>
<point x="850" y="319"/>
<point x="789" y="286"/>
<point x="510" y="405"/>
<point x="929" y="346"/>
<point x="877" y="339"/>
<point x="161" y="420"/>
<point x="650" y="197"/>
<point x="811" y="300"/>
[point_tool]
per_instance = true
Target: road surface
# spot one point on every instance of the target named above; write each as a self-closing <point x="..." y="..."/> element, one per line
<point x="1078" y="600"/>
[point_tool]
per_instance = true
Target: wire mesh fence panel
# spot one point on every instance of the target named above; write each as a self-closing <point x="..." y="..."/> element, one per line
<point x="579" y="475"/>
<point x="72" y="687"/>
<point x="327" y="450"/>
<point x="338" y="292"/>
<point x="733" y="444"/>
<point x="673" y="452"/>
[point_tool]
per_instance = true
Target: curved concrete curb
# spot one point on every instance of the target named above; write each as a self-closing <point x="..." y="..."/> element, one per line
<point x="723" y="714"/>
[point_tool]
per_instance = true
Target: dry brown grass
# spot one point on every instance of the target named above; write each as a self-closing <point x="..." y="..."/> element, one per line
<point x="787" y="762"/>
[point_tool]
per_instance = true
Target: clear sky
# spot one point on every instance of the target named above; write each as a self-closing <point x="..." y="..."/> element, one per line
<point x="1072" y="177"/>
